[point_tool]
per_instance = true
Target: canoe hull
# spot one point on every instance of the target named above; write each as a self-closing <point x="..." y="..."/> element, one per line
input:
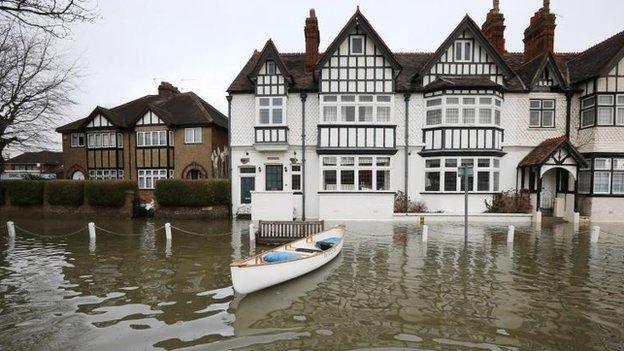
<point x="247" y="279"/>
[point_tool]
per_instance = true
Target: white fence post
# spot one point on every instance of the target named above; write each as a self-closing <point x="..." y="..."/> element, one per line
<point x="11" y="229"/>
<point x="168" y="231"/>
<point x="595" y="233"/>
<point x="252" y="233"/>
<point x="511" y="231"/>
<point x="425" y="232"/>
<point x="91" y="226"/>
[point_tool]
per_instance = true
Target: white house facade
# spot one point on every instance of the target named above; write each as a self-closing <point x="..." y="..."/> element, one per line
<point x="335" y="135"/>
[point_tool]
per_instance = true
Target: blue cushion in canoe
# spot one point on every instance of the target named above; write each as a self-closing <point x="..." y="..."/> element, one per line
<point x="327" y="243"/>
<point x="280" y="256"/>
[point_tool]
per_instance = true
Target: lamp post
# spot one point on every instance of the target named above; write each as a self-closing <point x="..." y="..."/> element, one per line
<point x="465" y="172"/>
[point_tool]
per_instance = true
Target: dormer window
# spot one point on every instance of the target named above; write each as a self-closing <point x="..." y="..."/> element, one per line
<point x="270" y="67"/>
<point x="357" y="45"/>
<point x="463" y="51"/>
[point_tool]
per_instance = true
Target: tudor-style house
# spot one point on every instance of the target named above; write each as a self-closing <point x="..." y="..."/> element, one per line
<point x="166" y="135"/>
<point x="335" y="134"/>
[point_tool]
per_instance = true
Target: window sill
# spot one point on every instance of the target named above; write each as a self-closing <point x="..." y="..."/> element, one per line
<point x="192" y="143"/>
<point x="366" y="192"/>
<point x="540" y="127"/>
<point x="459" y="192"/>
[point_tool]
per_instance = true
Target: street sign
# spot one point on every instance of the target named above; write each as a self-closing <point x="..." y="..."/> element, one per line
<point x="462" y="169"/>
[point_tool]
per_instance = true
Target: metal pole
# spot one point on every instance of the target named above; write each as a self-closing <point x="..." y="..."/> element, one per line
<point x="466" y="204"/>
<point x="304" y="96"/>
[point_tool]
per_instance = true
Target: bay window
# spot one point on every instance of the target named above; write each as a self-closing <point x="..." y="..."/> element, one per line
<point x="602" y="110"/>
<point x="270" y="110"/>
<point x="449" y="109"/>
<point x="367" y="109"/>
<point x="355" y="173"/>
<point x="441" y="174"/>
<point x="605" y="176"/>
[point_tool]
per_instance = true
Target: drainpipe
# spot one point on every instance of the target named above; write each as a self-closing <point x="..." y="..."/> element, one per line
<point x="229" y="100"/>
<point x="304" y="96"/>
<point x="406" y="96"/>
<point x="568" y="113"/>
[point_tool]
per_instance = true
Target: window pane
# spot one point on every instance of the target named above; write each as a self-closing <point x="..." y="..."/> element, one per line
<point x="432" y="181"/>
<point x="536" y="104"/>
<point x="548" y="118"/>
<point x="347" y="98"/>
<point x="274" y="177"/>
<point x="590" y="101"/>
<point x="483" y="162"/>
<point x="452" y="115"/>
<point x="468" y="51"/>
<point x="587" y="117"/>
<point x="605" y="116"/>
<point x="264" y="101"/>
<point x="347" y="180"/>
<point x="366" y="98"/>
<point x="619" y="119"/>
<point x="534" y="119"/>
<point x="383" y="98"/>
<point x="365" y="161"/>
<point x="296" y="182"/>
<point x="450" y="180"/>
<point x="163" y="138"/>
<point x="605" y="99"/>
<point x="155" y="138"/>
<point x="469" y="101"/>
<point x="357" y="45"/>
<point x="383" y="161"/>
<point x="452" y="101"/>
<point x="620" y="99"/>
<point x="450" y="162"/>
<point x="365" y="114"/>
<point x="330" y="98"/>
<point x="365" y="180"/>
<point x="329" y="180"/>
<point x="469" y="115"/>
<point x="329" y="161"/>
<point x="470" y="183"/>
<point x="602" y="163"/>
<point x="485" y="101"/>
<point x="618" y="182"/>
<point x="330" y="113"/>
<point x="277" y="101"/>
<point x="434" y="102"/>
<point x="348" y="113"/>
<point x="383" y="113"/>
<point x="264" y="116"/>
<point x="458" y="51"/>
<point x="549" y="104"/>
<point x="347" y="161"/>
<point x="496" y="181"/>
<point x="483" y="181"/>
<point x="383" y="180"/>
<point x="277" y="115"/>
<point x="434" y="117"/>
<point x="485" y="115"/>
<point x="602" y="182"/>
<point x="584" y="182"/>
<point x="432" y="163"/>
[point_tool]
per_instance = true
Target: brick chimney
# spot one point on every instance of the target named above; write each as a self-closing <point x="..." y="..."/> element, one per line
<point x="539" y="37"/>
<point x="312" y="41"/>
<point x="166" y="89"/>
<point x="494" y="28"/>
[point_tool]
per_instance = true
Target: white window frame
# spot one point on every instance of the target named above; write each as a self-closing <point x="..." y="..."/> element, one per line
<point x="195" y="137"/>
<point x="355" y="167"/>
<point x="493" y="169"/>
<point x="105" y="174"/>
<point x="147" y="177"/>
<point x="95" y="140"/>
<point x="466" y="50"/>
<point x="374" y="101"/>
<point x="77" y="136"/>
<point x="462" y="103"/>
<point x="271" y="107"/>
<point x="360" y="37"/>
<point x="295" y="170"/>
<point x="146" y="138"/>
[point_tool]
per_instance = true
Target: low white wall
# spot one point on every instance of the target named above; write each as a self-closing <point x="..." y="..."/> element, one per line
<point x="356" y="206"/>
<point x="479" y="217"/>
<point x="454" y="203"/>
<point x="271" y="206"/>
<point x="607" y="209"/>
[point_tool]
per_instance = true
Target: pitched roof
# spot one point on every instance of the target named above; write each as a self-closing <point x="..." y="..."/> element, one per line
<point x="358" y="20"/>
<point x="270" y="52"/>
<point x="530" y="71"/>
<point x="462" y="82"/>
<point x="44" y="157"/>
<point x="180" y="109"/>
<point x="546" y="148"/>
<point x="598" y="59"/>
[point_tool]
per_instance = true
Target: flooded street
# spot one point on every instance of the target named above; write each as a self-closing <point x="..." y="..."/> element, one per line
<point x="551" y="290"/>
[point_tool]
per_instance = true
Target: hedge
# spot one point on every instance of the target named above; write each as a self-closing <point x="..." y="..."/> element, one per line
<point x="192" y="193"/>
<point x="23" y="192"/>
<point x="65" y="192"/>
<point x="108" y="193"/>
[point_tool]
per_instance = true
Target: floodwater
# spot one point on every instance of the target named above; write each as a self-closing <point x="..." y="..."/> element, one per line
<point x="550" y="290"/>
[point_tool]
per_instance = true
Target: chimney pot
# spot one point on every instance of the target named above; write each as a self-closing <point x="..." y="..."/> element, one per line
<point x="312" y="41"/>
<point x="494" y="27"/>
<point x="166" y="89"/>
<point x="539" y="37"/>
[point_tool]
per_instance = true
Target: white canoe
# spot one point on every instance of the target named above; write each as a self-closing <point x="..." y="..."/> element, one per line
<point x="255" y="273"/>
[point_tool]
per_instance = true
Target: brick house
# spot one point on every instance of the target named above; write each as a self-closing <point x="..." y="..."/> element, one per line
<point x="46" y="164"/>
<point x="167" y="135"/>
<point x="335" y="134"/>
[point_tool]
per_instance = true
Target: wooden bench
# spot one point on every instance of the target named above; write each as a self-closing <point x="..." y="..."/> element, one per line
<point x="279" y="232"/>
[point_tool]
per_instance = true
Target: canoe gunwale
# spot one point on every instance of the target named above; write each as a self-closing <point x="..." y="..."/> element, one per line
<point x="257" y="263"/>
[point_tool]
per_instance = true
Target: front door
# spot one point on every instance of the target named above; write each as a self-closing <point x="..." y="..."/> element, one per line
<point x="248" y="184"/>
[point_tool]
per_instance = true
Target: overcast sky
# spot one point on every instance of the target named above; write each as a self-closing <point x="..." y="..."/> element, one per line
<point x="201" y="45"/>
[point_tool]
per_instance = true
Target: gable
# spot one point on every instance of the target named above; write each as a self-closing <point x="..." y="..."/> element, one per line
<point x="99" y="121"/>
<point x="149" y="118"/>
<point x="548" y="77"/>
<point x="450" y="58"/>
<point x="270" y="80"/>
<point x="347" y="72"/>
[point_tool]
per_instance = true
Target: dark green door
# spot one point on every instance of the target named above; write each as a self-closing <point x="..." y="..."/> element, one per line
<point x="248" y="184"/>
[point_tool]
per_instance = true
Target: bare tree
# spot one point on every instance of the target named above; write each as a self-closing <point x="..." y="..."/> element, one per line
<point x="51" y="16"/>
<point x="35" y="87"/>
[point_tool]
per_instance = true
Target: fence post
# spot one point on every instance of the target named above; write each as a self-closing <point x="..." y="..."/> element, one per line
<point x="91" y="226"/>
<point x="252" y="233"/>
<point x="511" y="231"/>
<point x="595" y="233"/>
<point x="11" y="229"/>
<point x="425" y="233"/>
<point x="168" y="231"/>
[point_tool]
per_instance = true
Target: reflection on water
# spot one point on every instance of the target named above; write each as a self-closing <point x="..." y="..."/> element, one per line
<point x="387" y="290"/>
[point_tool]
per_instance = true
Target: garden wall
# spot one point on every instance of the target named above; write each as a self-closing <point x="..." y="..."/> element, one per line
<point x="182" y="198"/>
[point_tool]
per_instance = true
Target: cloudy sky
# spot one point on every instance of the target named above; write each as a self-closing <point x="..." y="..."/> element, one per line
<point x="201" y="45"/>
